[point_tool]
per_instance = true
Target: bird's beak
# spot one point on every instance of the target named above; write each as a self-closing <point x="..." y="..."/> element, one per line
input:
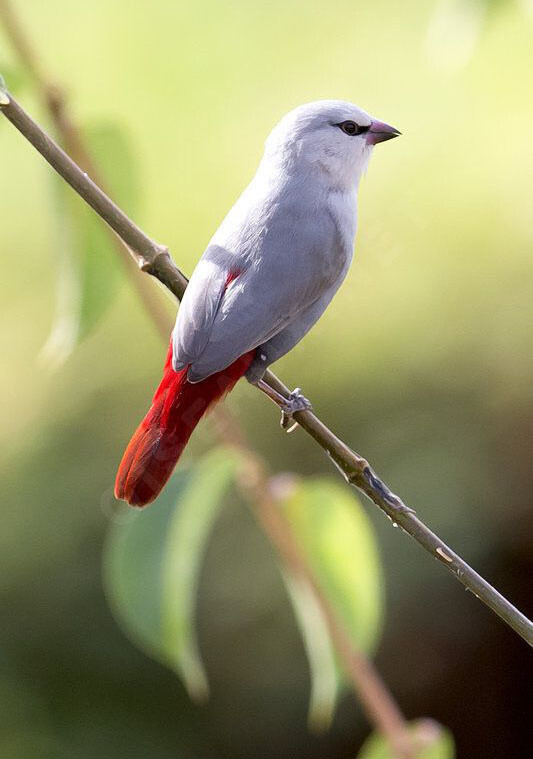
<point x="380" y="132"/>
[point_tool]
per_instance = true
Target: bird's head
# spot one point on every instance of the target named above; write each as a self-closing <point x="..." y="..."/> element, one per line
<point x="332" y="137"/>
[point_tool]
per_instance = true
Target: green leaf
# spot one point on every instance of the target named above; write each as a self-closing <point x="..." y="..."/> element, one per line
<point x="186" y="541"/>
<point x="431" y="741"/>
<point x="100" y="269"/>
<point x="319" y="650"/>
<point x="338" y="540"/>
<point x="152" y="565"/>
<point x="133" y="566"/>
<point x="12" y="79"/>
<point x="65" y="330"/>
<point x="112" y="153"/>
<point x="89" y="271"/>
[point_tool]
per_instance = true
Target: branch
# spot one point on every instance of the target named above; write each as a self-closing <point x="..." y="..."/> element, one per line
<point x="378" y="703"/>
<point x="155" y="259"/>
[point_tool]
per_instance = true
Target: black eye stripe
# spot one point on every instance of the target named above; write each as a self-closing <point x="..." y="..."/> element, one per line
<point x="351" y="128"/>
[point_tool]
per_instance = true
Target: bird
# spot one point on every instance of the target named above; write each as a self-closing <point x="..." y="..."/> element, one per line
<point x="267" y="275"/>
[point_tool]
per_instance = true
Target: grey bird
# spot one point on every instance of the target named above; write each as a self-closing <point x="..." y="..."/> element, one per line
<point x="267" y="275"/>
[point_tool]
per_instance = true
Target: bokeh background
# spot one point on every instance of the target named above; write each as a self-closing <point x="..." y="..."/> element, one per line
<point x="424" y="364"/>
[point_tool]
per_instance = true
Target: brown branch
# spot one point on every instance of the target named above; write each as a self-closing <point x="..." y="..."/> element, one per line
<point x="155" y="259"/>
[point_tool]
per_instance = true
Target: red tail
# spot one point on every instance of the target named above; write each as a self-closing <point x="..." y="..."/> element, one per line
<point x="159" y="440"/>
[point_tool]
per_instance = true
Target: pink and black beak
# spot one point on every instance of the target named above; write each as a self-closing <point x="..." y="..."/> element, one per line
<point x="380" y="132"/>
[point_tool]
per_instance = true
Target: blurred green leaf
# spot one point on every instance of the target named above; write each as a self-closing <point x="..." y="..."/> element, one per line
<point x="65" y="330"/>
<point x="152" y="565"/>
<point x="338" y="540"/>
<point x="431" y="739"/>
<point x="89" y="271"/>
<point x="100" y="269"/>
<point x="12" y="79"/>
<point x="186" y="540"/>
<point x="319" y="649"/>
<point x="133" y="566"/>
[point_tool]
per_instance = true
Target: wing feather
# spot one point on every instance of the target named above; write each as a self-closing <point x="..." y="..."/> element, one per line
<point x="199" y="307"/>
<point x="245" y="292"/>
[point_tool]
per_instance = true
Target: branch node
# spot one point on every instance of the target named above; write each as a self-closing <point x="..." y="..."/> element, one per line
<point x="144" y="264"/>
<point x="387" y="495"/>
<point x="151" y="265"/>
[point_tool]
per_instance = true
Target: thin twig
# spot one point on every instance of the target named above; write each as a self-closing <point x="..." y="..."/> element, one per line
<point x="155" y="259"/>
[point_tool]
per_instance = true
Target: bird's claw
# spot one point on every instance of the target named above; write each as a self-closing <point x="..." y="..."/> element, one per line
<point x="295" y="402"/>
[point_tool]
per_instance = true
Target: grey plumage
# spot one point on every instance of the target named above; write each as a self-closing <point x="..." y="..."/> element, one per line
<point x="288" y="241"/>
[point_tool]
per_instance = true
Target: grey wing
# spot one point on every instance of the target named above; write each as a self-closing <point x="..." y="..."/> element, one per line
<point x="282" y="268"/>
<point x="199" y="306"/>
<point x="262" y="302"/>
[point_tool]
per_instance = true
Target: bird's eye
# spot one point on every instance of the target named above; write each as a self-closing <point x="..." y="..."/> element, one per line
<point x="351" y="128"/>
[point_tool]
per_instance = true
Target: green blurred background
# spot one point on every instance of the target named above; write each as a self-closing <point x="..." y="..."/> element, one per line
<point x="423" y="363"/>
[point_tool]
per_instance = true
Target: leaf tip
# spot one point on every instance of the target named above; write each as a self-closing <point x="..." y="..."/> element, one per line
<point x="320" y="718"/>
<point x="196" y="684"/>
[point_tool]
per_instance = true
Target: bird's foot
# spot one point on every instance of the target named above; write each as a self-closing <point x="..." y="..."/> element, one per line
<point x="295" y="402"/>
<point x="289" y="406"/>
